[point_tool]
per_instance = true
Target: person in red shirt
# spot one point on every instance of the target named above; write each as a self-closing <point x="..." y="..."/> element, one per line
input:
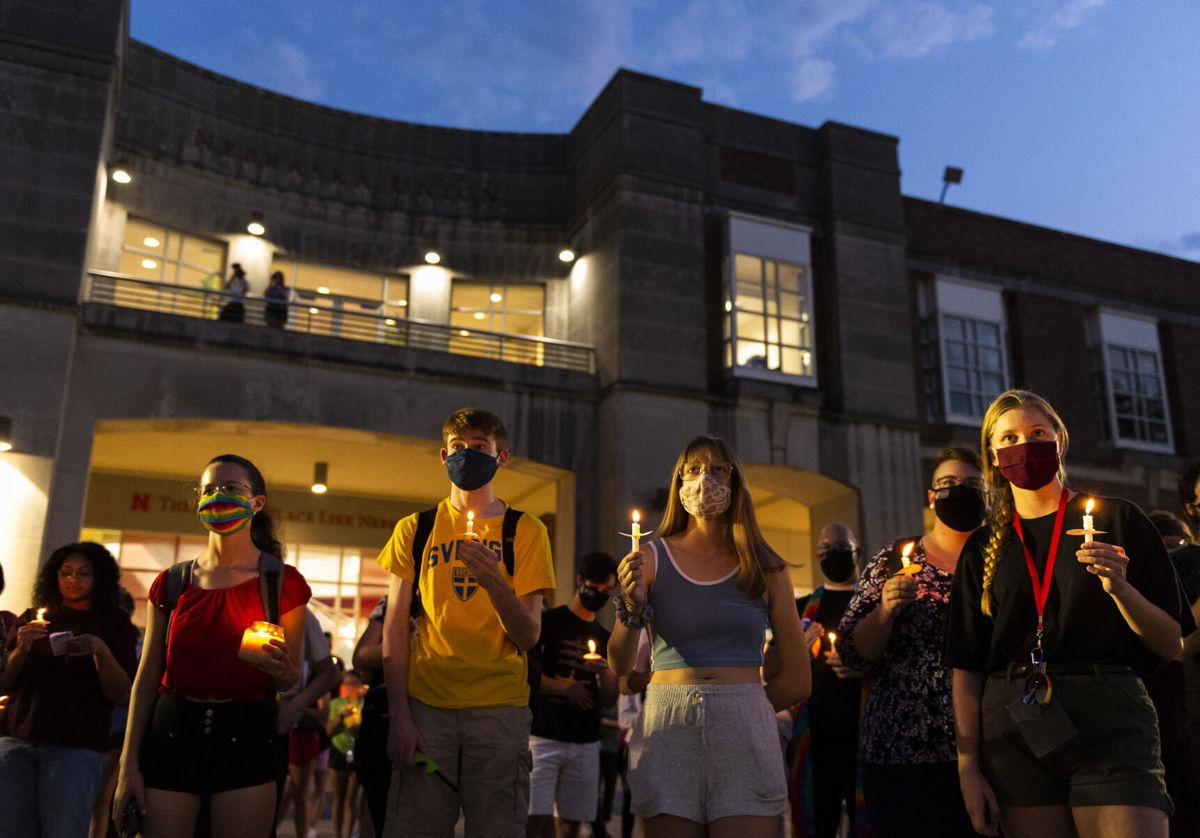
<point x="202" y="721"/>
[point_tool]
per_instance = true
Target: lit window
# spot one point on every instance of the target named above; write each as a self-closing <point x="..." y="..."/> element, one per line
<point x="963" y="351"/>
<point x="768" y="321"/>
<point x="1131" y="399"/>
<point x="348" y="301"/>
<point x="506" y="310"/>
<point x="152" y="252"/>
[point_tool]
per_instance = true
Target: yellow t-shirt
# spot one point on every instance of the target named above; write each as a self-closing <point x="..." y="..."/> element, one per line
<point x="462" y="656"/>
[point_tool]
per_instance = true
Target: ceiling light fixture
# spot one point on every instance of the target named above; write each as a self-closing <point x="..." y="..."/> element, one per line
<point x="432" y="257"/>
<point x="566" y="255"/>
<point x="320" y="484"/>
<point x="256" y="227"/>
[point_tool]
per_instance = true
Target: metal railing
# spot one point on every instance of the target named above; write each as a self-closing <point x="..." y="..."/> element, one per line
<point x="339" y="319"/>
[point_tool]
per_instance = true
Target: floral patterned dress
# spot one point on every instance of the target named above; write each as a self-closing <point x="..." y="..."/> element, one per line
<point x="908" y="717"/>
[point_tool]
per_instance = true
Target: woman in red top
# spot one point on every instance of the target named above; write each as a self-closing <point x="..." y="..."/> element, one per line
<point x="202" y="721"/>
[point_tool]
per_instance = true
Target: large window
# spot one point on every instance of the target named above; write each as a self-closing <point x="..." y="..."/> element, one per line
<point x="1132" y="401"/>
<point x="331" y="297"/>
<point x="151" y="251"/>
<point x="768" y="331"/>
<point x="504" y="309"/>
<point x="964" y="354"/>
<point x="770" y="318"/>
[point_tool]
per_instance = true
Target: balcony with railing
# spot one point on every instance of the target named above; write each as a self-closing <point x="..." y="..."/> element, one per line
<point x="341" y="319"/>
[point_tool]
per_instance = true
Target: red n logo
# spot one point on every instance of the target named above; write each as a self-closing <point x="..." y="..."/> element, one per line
<point x="140" y="501"/>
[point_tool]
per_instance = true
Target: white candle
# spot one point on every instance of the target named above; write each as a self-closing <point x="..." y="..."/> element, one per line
<point x="635" y="535"/>
<point x="257" y="635"/>
<point x="470" y="522"/>
<point x="906" y="564"/>
<point x="591" y="652"/>
<point x="1088" y="529"/>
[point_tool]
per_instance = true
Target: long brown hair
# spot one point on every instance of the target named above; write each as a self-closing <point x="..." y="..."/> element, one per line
<point x="742" y="535"/>
<point x="999" y="491"/>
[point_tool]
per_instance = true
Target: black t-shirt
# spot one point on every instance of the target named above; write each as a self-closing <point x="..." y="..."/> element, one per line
<point x="1187" y="565"/>
<point x="555" y="716"/>
<point x="57" y="700"/>
<point x="1083" y="623"/>
<point x="834" y="704"/>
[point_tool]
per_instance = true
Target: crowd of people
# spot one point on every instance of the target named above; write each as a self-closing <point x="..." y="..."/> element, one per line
<point x="1026" y="667"/>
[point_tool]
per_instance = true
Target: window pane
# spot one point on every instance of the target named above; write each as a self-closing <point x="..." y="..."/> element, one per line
<point x="772" y="357"/>
<point x="791" y="278"/>
<point x="523" y="298"/>
<point x="792" y="363"/>
<point x="961" y="403"/>
<point x="789" y="332"/>
<point x="472" y="295"/>
<point x="751" y="354"/>
<point x="143" y="235"/>
<point x="749" y="297"/>
<point x="747" y="269"/>
<point x="989" y="359"/>
<point x="750" y="326"/>
<point x="954" y="328"/>
<point x="773" y="330"/>
<point x="523" y="324"/>
<point x="956" y="353"/>
<point x="957" y="377"/>
<point x="199" y="253"/>
<point x="790" y="305"/>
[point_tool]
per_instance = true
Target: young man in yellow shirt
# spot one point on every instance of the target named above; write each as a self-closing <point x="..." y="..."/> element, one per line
<point x="458" y="692"/>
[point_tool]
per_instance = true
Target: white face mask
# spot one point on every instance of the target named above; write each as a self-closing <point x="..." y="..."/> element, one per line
<point x="705" y="498"/>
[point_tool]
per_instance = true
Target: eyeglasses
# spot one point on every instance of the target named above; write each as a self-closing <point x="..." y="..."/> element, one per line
<point x="230" y="488"/>
<point x="946" y="481"/>
<point x="693" y="471"/>
<point x="67" y="573"/>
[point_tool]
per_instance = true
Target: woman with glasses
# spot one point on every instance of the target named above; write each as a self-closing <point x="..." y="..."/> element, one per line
<point x="72" y="661"/>
<point x="705" y="756"/>
<point x="894" y="631"/>
<point x="202" y="722"/>
<point x="1054" y="615"/>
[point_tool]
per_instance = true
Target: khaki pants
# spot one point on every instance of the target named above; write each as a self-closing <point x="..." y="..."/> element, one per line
<point x="482" y="750"/>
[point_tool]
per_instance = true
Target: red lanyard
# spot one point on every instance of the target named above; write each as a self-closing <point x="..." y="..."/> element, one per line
<point x="1041" y="587"/>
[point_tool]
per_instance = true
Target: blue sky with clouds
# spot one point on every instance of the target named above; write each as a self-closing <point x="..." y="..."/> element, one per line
<point x="1082" y="115"/>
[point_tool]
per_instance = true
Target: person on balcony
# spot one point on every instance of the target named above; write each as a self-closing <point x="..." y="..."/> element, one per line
<point x="236" y="288"/>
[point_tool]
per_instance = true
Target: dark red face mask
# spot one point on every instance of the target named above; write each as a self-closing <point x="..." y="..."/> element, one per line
<point x="1030" y="465"/>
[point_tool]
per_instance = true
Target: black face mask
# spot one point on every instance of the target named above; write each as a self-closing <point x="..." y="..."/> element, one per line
<point x="837" y="563"/>
<point x="470" y="469"/>
<point x="591" y="599"/>
<point x="959" y="507"/>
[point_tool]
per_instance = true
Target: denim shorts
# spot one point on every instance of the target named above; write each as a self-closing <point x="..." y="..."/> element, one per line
<point x="203" y="748"/>
<point x="707" y="751"/>
<point x="1113" y="760"/>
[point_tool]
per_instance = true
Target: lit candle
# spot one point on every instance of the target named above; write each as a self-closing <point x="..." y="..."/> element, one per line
<point x="907" y="566"/>
<point x="591" y="652"/>
<point x="832" y="638"/>
<point x="41" y="617"/>
<point x="257" y="635"/>
<point x="471" y="522"/>
<point x="636" y="532"/>
<point x="1088" y="529"/>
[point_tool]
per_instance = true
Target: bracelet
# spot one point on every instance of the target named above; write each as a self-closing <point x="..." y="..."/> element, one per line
<point x="630" y="620"/>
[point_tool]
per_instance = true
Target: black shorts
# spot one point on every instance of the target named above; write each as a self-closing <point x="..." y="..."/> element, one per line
<point x="208" y="747"/>
<point x="1114" y="759"/>
<point x="339" y="761"/>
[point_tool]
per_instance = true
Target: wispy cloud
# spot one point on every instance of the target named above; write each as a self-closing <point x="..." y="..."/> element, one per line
<point x="1068" y="15"/>
<point x="918" y="29"/>
<point x="289" y="69"/>
<point x="706" y="30"/>
<point x="812" y="78"/>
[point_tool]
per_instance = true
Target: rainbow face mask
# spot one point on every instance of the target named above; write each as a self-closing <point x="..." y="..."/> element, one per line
<point x="225" y="513"/>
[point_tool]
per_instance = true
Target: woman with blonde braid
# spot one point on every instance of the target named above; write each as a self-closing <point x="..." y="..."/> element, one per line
<point x="1048" y="637"/>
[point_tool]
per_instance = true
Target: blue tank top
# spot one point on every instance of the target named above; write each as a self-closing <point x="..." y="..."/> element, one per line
<point x="702" y="623"/>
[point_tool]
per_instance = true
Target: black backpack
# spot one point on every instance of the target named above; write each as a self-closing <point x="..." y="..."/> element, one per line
<point x="508" y="537"/>
<point x="270" y="568"/>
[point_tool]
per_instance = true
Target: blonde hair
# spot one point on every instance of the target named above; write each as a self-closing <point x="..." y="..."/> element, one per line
<point x="999" y="491"/>
<point x="744" y="538"/>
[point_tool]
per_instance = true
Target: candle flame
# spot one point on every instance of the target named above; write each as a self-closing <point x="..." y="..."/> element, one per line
<point x="471" y="515"/>
<point x="908" y="548"/>
<point x="41" y="615"/>
<point x="591" y="646"/>
<point x="1087" y="510"/>
<point x="832" y="637"/>
<point x="637" y="516"/>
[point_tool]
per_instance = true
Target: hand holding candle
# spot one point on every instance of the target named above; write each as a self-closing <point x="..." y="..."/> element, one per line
<point x="257" y="635"/>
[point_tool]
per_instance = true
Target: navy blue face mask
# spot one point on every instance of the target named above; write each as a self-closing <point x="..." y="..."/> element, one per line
<point x="470" y="469"/>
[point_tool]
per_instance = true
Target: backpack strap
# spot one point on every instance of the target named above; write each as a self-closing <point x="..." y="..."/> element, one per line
<point x="179" y="576"/>
<point x="425" y="522"/>
<point x="270" y="569"/>
<point x="508" y="537"/>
